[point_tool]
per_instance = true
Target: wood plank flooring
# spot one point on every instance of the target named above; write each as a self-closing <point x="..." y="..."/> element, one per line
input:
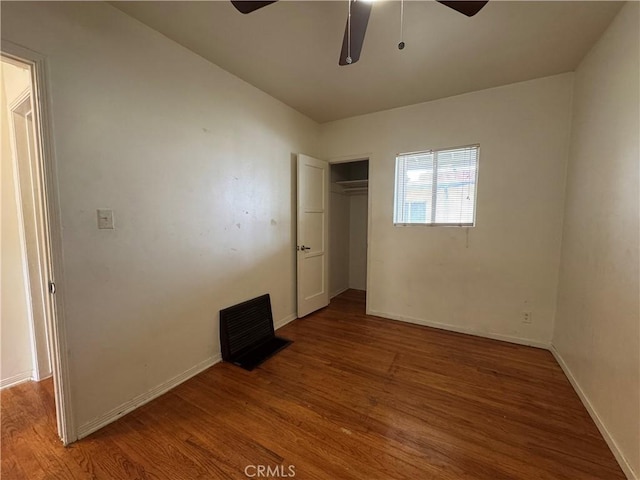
<point x="355" y="397"/>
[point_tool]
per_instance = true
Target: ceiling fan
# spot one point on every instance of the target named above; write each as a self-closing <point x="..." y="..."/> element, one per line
<point x="359" y="11"/>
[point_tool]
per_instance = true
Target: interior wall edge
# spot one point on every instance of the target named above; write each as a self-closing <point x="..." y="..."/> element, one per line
<point x="286" y="320"/>
<point x="593" y="413"/>
<point x="337" y="292"/>
<point x="568" y="149"/>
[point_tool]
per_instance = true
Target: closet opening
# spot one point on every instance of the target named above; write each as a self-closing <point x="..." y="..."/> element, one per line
<point x="348" y="226"/>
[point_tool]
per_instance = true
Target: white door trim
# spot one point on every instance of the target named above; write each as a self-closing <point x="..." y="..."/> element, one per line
<point x="51" y="207"/>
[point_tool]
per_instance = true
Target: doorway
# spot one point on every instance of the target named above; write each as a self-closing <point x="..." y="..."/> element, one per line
<point x="348" y="226"/>
<point x="25" y="352"/>
<point x="31" y="343"/>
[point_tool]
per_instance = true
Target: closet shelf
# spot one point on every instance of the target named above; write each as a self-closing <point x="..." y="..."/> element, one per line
<point x="354" y="186"/>
<point x="354" y="183"/>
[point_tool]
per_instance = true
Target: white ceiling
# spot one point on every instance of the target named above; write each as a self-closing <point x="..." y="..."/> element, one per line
<point x="290" y="49"/>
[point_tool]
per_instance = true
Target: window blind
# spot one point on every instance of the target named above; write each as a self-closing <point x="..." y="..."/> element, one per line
<point x="437" y="187"/>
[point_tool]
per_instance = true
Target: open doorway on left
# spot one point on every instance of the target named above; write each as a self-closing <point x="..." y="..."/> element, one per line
<point x="25" y="353"/>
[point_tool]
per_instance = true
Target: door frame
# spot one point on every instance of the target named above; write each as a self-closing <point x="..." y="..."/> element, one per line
<point x="355" y="158"/>
<point x="53" y="263"/>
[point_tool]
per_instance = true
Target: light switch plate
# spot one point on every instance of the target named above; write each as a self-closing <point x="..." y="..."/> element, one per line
<point x="105" y="219"/>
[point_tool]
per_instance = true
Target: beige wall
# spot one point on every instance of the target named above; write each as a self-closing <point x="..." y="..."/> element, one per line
<point x="16" y="357"/>
<point x="197" y="167"/>
<point x="479" y="279"/>
<point x="597" y="331"/>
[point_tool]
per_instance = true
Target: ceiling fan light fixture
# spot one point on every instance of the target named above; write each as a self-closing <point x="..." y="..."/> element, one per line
<point x="357" y="19"/>
<point x="468" y="8"/>
<point x="361" y="9"/>
<point x="401" y="44"/>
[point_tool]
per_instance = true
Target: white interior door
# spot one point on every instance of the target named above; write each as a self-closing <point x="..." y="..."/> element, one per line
<point x="313" y="193"/>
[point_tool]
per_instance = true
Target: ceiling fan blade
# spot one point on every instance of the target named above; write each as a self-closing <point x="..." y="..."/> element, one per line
<point x="248" y="7"/>
<point x="467" y="8"/>
<point x="360" y="11"/>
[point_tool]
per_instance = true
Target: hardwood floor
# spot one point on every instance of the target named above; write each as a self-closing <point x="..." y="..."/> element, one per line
<point x="354" y="397"/>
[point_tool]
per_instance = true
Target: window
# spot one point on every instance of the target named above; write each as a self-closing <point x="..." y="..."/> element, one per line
<point x="437" y="187"/>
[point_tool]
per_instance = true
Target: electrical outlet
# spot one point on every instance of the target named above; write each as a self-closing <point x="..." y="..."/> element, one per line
<point x="526" y="317"/>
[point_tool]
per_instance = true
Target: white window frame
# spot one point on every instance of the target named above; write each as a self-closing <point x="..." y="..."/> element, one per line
<point x="397" y="186"/>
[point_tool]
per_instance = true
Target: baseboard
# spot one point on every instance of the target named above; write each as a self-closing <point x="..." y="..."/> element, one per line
<point x="130" y="405"/>
<point x="15" y="380"/>
<point x="613" y="446"/>
<point x="42" y="377"/>
<point x="338" y="292"/>
<point x="455" y="328"/>
<point x="285" y="320"/>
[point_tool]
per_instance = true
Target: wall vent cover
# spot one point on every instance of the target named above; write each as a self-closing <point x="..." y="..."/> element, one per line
<point x="247" y="335"/>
